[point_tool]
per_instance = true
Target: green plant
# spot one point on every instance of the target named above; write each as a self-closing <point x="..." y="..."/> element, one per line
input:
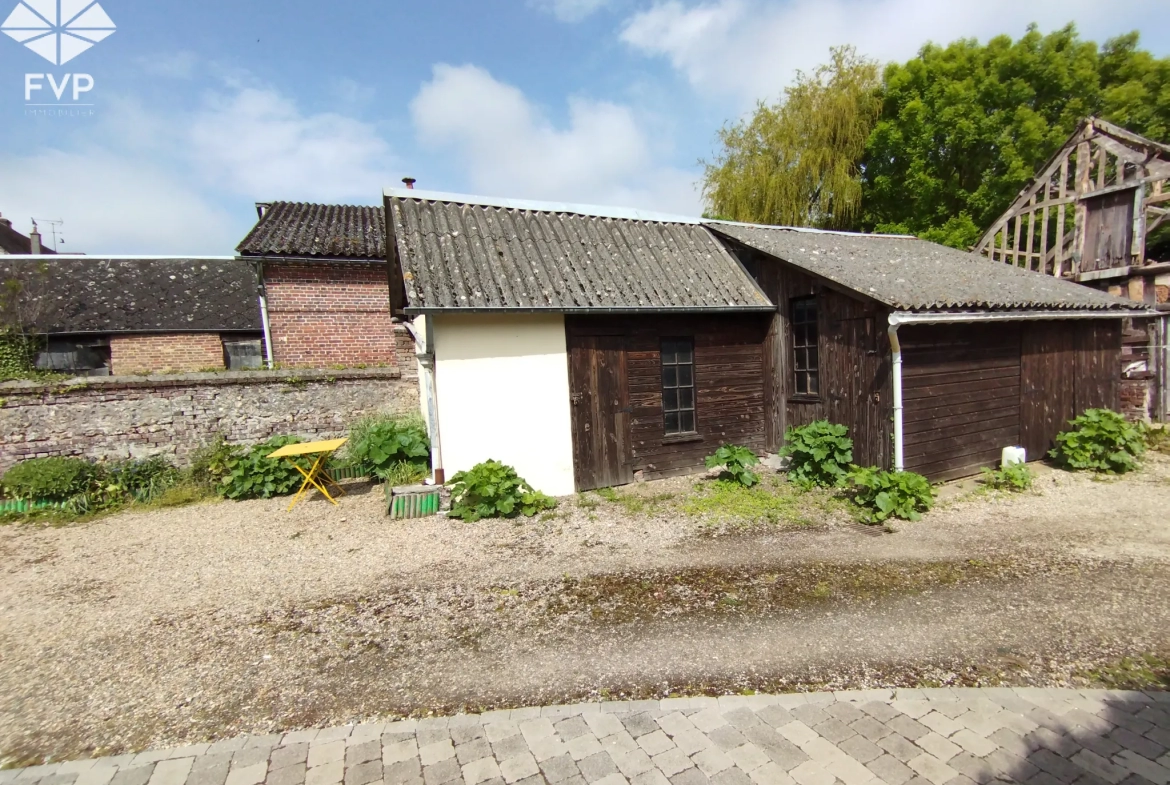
<point x="820" y="452"/>
<point x="735" y="461"/>
<point x="181" y="494"/>
<point x="142" y="480"/>
<point x="494" y="490"/>
<point x="1100" y="440"/>
<point x="404" y="473"/>
<point x="212" y="462"/>
<point x="49" y="479"/>
<point x="881" y="494"/>
<point x="1014" y="477"/>
<point x="378" y="443"/>
<point x="252" y="474"/>
<point x="1157" y="438"/>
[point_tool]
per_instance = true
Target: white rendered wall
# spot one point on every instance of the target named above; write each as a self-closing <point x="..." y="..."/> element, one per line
<point x="503" y="393"/>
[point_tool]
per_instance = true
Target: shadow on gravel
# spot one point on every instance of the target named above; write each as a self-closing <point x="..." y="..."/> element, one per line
<point x="1121" y="737"/>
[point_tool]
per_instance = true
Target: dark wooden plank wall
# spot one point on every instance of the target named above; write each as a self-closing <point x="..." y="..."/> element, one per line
<point x="729" y="384"/>
<point x="855" y="384"/>
<point x="1066" y="368"/>
<point x="961" y="396"/>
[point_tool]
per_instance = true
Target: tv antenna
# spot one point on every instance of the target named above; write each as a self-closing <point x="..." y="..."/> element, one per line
<point x="53" y="224"/>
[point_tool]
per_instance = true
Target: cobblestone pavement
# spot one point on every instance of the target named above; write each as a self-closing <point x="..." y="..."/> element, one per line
<point x="958" y="736"/>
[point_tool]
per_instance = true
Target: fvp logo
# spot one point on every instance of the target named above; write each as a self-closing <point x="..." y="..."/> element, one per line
<point x="58" y="30"/>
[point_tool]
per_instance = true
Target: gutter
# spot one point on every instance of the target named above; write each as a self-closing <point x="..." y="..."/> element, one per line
<point x="262" y="293"/>
<point x="899" y="318"/>
<point x="649" y="310"/>
<point x="426" y="360"/>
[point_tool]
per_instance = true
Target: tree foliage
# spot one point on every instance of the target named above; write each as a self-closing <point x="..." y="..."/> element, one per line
<point x="796" y="162"/>
<point x="940" y="145"/>
<point x="964" y="127"/>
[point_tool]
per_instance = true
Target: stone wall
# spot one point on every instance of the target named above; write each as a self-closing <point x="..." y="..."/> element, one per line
<point x="324" y="314"/>
<point x="122" y="417"/>
<point x="170" y="352"/>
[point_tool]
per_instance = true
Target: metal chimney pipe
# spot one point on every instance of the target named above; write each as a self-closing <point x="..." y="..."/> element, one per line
<point x="410" y="181"/>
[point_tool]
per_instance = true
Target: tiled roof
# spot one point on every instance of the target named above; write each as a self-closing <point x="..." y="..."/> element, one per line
<point x="318" y="231"/>
<point x="458" y="254"/>
<point x="907" y="273"/>
<point x="13" y="242"/>
<point x="112" y="295"/>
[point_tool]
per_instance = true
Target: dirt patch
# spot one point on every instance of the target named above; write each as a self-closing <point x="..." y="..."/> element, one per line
<point x="146" y="629"/>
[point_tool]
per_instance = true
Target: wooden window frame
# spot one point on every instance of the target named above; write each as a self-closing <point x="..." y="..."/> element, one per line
<point x="679" y="409"/>
<point x="811" y="371"/>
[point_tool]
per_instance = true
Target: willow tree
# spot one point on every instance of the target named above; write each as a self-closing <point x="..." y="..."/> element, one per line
<point x="797" y="162"/>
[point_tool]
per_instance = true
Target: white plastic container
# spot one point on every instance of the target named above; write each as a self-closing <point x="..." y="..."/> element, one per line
<point x="1012" y="455"/>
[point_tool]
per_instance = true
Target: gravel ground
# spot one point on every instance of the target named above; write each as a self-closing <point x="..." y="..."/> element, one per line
<point x="166" y="626"/>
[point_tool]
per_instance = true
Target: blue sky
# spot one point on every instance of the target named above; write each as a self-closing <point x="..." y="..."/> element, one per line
<point x="203" y="108"/>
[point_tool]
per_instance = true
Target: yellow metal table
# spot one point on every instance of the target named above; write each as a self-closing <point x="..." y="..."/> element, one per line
<point x="316" y="475"/>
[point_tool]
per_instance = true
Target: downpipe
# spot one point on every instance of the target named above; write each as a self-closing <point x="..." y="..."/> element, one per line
<point x="896" y="350"/>
<point x="424" y="353"/>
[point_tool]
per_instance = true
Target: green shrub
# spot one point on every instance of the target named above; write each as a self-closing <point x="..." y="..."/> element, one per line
<point x="378" y="444"/>
<point x="493" y="490"/>
<point x="1158" y="439"/>
<point x="142" y="480"/>
<point x="1101" y="441"/>
<point x="1015" y="477"/>
<point x="49" y="479"/>
<point x="881" y="494"/>
<point x="252" y="474"/>
<point x="735" y="462"/>
<point x="211" y="463"/>
<point x="820" y="452"/>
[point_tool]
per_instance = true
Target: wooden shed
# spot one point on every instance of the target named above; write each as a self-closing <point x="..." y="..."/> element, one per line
<point x="934" y="359"/>
<point x="591" y="346"/>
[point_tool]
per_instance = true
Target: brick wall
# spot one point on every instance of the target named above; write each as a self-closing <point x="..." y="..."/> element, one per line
<point x="328" y="314"/>
<point x="108" y="417"/>
<point x="130" y="354"/>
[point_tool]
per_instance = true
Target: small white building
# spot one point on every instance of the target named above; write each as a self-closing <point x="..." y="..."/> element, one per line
<point x="525" y="314"/>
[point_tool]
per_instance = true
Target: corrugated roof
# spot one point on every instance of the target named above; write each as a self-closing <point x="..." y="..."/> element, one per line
<point x="460" y="255"/>
<point x="907" y="273"/>
<point x="322" y="231"/>
<point x="114" y="295"/>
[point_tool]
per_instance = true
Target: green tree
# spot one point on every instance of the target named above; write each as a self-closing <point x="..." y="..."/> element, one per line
<point x="796" y="162"/>
<point x="965" y="126"/>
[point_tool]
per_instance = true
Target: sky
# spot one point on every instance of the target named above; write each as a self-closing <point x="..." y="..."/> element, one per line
<point x="198" y="110"/>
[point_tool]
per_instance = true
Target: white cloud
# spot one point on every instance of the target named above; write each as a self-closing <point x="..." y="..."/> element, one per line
<point x="114" y="204"/>
<point x="510" y="148"/>
<point x="569" y="10"/>
<point x="749" y="49"/>
<point x="148" y="180"/>
<point x="257" y="143"/>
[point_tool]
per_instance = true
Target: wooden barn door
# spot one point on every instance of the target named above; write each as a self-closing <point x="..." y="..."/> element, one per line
<point x="601" y="419"/>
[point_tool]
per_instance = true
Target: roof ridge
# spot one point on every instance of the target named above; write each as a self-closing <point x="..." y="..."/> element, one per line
<point x="537" y="206"/>
<point x="809" y="229"/>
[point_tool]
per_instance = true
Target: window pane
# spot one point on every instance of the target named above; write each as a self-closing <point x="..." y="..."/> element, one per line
<point x="667" y="352"/>
<point x="670" y="399"/>
<point x="686" y="422"/>
<point x="685" y="376"/>
<point x="669" y="376"/>
<point x="802" y="359"/>
<point x="801" y="386"/>
<point x="672" y="422"/>
<point x="813" y="385"/>
<point x="686" y="397"/>
<point x="685" y="353"/>
<point x="812" y="358"/>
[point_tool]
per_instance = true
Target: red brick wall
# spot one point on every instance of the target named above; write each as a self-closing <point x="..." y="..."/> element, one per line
<point x="329" y="314"/>
<point x="131" y="354"/>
